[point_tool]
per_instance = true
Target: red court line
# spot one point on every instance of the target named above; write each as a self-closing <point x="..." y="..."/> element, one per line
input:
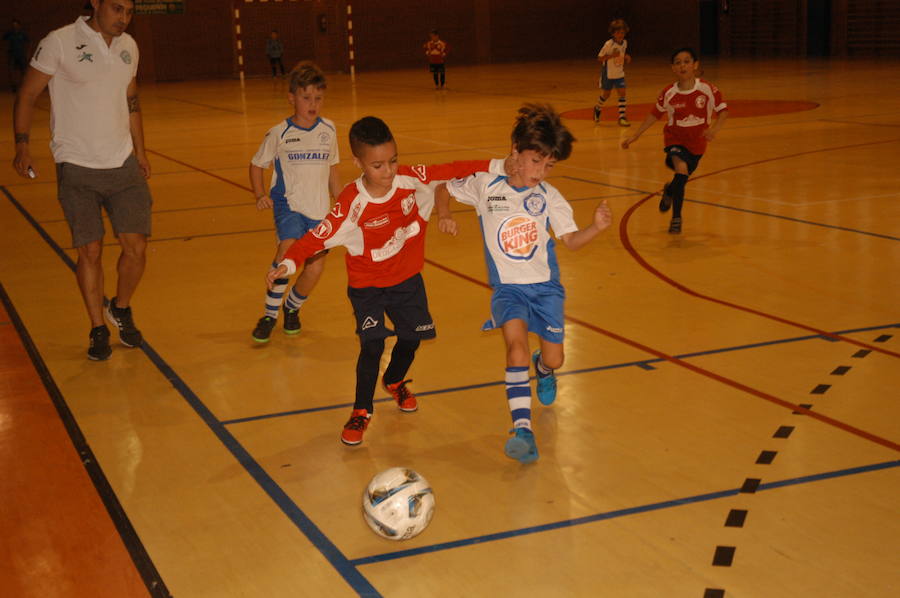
<point x="629" y="247"/>
<point x="703" y="372"/>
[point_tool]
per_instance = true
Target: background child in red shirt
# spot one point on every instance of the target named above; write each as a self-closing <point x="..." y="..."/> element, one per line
<point x="689" y="104"/>
<point x="436" y="51"/>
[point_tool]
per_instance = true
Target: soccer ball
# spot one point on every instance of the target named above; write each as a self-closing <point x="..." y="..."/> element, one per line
<point x="398" y="503"/>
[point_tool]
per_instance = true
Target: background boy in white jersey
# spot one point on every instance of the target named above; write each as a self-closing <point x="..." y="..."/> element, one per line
<point x="381" y="219"/>
<point x="516" y="213"/>
<point x="304" y="151"/>
<point x="613" y="57"/>
<point x="688" y="104"/>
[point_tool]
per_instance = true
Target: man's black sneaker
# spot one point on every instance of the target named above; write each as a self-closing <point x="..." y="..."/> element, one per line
<point x="120" y="317"/>
<point x="665" y="201"/>
<point x="675" y="226"/>
<point x="291" y="320"/>
<point x="99" y="349"/>
<point x="264" y="329"/>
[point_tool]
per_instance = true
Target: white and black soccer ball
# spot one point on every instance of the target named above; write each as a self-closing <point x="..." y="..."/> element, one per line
<point x="398" y="503"/>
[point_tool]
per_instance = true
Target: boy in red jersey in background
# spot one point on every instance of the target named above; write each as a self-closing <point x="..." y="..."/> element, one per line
<point x="689" y="104"/>
<point x="436" y="52"/>
<point x="381" y="219"/>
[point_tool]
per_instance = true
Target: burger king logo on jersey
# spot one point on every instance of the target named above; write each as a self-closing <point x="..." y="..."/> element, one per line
<point x="517" y="237"/>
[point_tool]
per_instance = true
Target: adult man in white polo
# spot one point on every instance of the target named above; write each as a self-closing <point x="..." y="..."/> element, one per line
<point x="98" y="146"/>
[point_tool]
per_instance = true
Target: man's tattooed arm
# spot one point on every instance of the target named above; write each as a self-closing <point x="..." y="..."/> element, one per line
<point x="134" y="104"/>
<point x="22" y="138"/>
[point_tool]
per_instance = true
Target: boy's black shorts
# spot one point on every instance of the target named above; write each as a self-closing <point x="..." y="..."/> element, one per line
<point x="692" y="160"/>
<point x="436" y="68"/>
<point x="405" y="304"/>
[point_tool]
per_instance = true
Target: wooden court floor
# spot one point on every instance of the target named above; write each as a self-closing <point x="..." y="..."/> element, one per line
<point x="728" y="419"/>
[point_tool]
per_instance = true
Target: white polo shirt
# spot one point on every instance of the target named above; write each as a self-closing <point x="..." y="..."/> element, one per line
<point x="89" y="119"/>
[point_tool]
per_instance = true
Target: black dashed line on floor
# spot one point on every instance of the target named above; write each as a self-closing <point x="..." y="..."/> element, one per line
<point x="736" y="518"/>
<point x="783" y="432"/>
<point x="766" y="457"/>
<point x="723" y="556"/>
<point x="750" y="485"/>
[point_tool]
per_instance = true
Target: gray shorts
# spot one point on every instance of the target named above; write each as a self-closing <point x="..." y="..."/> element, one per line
<point x="122" y="192"/>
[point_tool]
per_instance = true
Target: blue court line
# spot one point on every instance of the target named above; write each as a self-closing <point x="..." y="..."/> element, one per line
<point x="399" y="554"/>
<point x="644" y="364"/>
<point x="748" y="211"/>
<point x="309" y="529"/>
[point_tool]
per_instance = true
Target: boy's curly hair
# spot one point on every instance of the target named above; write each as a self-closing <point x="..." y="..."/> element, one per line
<point x="538" y="127"/>
<point x="618" y="24"/>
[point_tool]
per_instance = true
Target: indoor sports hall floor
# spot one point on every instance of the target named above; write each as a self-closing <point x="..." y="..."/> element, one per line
<point x="729" y="412"/>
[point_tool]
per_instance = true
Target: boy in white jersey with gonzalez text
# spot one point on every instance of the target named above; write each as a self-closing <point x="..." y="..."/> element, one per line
<point x="516" y="213"/>
<point x="304" y="152"/>
<point x="688" y="105"/>
<point x="381" y="219"/>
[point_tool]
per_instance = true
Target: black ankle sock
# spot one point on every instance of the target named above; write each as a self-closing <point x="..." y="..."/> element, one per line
<point x="367" y="373"/>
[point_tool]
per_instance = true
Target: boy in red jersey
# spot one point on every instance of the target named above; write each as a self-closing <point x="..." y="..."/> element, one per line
<point x="381" y="219"/>
<point x="689" y="104"/>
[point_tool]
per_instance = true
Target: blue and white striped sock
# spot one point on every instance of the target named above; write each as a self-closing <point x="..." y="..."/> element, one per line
<point x="275" y="295"/>
<point x="622" y="107"/>
<point x="294" y="300"/>
<point x="518" y="395"/>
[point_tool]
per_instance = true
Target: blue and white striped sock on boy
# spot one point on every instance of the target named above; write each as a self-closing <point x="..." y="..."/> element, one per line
<point x="294" y="300"/>
<point x="275" y="295"/>
<point x="518" y="395"/>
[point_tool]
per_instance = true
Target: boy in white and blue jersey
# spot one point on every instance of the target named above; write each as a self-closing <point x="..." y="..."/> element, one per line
<point x="516" y="213"/>
<point x="303" y="151"/>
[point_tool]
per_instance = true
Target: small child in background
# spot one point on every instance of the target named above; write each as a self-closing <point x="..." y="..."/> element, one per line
<point x="688" y="104"/>
<point x="613" y="57"/>
<point x="436" y="51"/>
<point x="516" y="213"/>
<point x="381" y="219"/>
<point x="304" y="151"/>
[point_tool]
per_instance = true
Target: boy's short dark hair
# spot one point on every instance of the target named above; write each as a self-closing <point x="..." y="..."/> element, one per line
<point x="538" y="127"/>
<point x="618" y="25"/>
<point x="687" y="49"/>
<point x="368" y="131"/>
<point x="306" y="73"/>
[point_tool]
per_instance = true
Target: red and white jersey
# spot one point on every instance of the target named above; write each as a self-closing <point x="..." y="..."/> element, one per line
<point x="384" y="236"/>
<point x="436" y="51"/>
<point x="689" y="113"/>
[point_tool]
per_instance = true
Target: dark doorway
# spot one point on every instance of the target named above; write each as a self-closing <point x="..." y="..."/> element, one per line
<point x="709" y="28"/>
<point x="818" y="27"/>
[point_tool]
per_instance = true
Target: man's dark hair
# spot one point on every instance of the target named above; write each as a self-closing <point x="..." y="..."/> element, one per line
<point x="368" y="131"/>
<point x="538" y="127"/>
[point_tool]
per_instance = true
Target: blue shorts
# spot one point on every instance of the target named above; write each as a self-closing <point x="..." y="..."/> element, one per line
<point x="608" y="84"/>
<point x="292" y="225"/>
<point x="540" y="305"/>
